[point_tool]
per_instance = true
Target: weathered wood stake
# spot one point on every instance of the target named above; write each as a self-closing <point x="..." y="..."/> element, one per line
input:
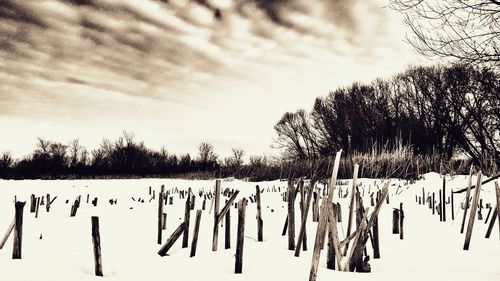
<point x="194" y="243"/>
<point x="238" y="268"/>
<point x="18" y="230"/>
<point x="260" y="223"/>
<point x="96" y="242"/>
<point x="473" y="212"/>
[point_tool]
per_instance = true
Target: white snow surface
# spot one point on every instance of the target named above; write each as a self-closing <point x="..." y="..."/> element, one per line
<point x="430" y="250"/>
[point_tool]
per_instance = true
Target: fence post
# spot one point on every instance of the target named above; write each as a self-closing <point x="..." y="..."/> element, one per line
<point x="96" y="241"/>
<point x="240" y="236"/>
<point x="187" y="215"/>
<point x="401" y="218"/>
<point x="473" y="212"/>
<point x="259" y="215"/>
<point x="215" y="239"/>
<point x="291" y="215"/>
<point x="160" y="215"/>
<point x="467" y="195"/>
<point x="18" y="230"/>
<point x="227" y="225"/>
<point x="194" y="243"/>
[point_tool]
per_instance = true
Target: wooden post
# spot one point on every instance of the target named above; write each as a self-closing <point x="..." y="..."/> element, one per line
<point x="96" y="241"/>
<point x="11" y="227"/>
<point x="467" y="195"/>
<point x="259" y="215"/>
<point x="227" y="225"/>
<point x="433" y="203"/>
<point x="170" y="242"/>
<point x="37" y="206"/>
<point x="187" y="215"/>
<point x="376" y="243"/>
<point x="315" y="207"/>
<point x="497" y="188"/>
<point x="194" y="243"/>
<point x="440" y="211"/>
<point x="473" y="212"/>
<point x="164" y="221"/>
<point x="351" y="204"/>
<point x="160" y="215"/>
<point x="444" y="198"/>
<point x="395" y="221"/>
<point x="47" y="206"/>
<point x="291" y="215"/>
<point x="490" y="226"/>
<point x="323" y="220"/>
<point x="18" y="230"/>
<point x="240" y="236"/>
<point x="401" y="218"/>
<point x="452" y="205"/>
<point x="304" y="221"/>
<point x="215" y="239"/>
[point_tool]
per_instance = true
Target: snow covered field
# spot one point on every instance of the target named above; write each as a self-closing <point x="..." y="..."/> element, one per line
<point x="59" y="247"/>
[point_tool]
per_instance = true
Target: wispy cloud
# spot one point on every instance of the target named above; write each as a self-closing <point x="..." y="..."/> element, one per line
<point x="84" y="58"/>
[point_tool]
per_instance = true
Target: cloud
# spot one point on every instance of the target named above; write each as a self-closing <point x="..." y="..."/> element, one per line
<point x="84" y="58"/>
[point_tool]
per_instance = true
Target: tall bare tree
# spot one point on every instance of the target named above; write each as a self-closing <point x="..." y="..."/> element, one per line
<point x="468" y="30"/>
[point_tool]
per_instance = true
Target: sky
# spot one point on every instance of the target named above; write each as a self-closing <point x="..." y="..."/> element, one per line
<point x="179" y="72"/>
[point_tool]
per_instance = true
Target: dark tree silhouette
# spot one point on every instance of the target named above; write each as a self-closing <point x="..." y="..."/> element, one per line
<point x="460" y="29"/>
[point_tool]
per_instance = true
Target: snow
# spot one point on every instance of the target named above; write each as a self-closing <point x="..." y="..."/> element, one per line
<point x="431" y="250"/>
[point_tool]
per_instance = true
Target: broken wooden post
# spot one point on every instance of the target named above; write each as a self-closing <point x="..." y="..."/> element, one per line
<point x="303" y="222"/>
<point x="259" y="215"/>
<point x="467" y="195"/>
<point x="490" y="226"/>
<point x="441" y="202"/>
<point x="160" y="215"/>
<point x="351" y="204"/>
<point x="444" y="198"/>
<point x="376" y="243"/>
<point x="291" y="215"/>
<point x="473" y="212"/>
<point x="240" y="236"/>
<point x="215" y="239"/>
<point x="37" y="206"/>
<point x="315" y="208"/>
<point x="194" y="243"/>
<point x="497" y="188"/>
<point x="164" y="221"/>
<point x="187" y="215"/>
<point x="96" y="242"/>
<point x="18" y="230"/>
<point x="433" y="203"/>
<point x="401" y="218"/>
<point x="170" y="242"/>
<point x="227" y="225"/>
<point x="9" y="231"/>
<point x="323" y="220"/>
<point x="452" y="205"/>
<point x="395" y="221"/>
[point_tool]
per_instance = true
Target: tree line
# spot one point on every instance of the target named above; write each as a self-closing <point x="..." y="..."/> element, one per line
<point x="447" y="111"/>
<point x="123" y="157"/>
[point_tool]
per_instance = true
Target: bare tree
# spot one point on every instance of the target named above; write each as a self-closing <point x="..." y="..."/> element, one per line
<point x="207" y="153"/>
<point x="468" y="30"/>
<point x="74" y="151"/>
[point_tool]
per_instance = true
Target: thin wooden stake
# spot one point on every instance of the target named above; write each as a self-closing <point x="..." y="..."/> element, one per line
<point x="473" y="212"/>
<point x="18" y="230"/>
<point x="187" y="215"/>
<point x="194" y="243"/>
<point x="170" y="242"/>
<point x="9" y="231"/>
<point x="215" y="238"/>
<point x="260" y="223"/>
<point x="467" y="195"/>
<point x="238" y="268"/>
<point x="96" y="242"/>
<point x="291" y="216"/>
